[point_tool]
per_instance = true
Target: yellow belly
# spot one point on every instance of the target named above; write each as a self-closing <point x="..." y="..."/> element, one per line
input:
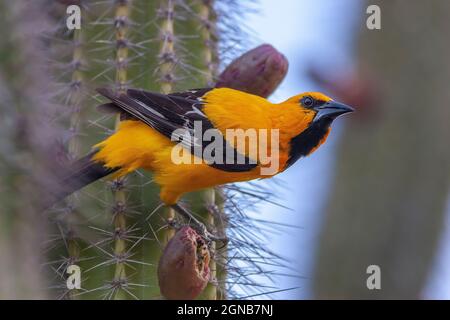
<point x="135" y="145"/>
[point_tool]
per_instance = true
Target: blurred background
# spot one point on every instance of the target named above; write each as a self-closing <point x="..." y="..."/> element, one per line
<point x="377" y="193"/>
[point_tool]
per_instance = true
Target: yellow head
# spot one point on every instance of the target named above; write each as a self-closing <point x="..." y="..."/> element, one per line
<point x="313" y="112"/>
<point x="316" y="106"/>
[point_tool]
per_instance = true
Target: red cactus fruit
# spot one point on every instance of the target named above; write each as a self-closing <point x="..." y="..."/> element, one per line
<point x="258" y="71"/>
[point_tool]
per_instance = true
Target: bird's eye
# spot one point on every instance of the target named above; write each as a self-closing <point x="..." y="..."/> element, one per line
<point x="308" y="102"/>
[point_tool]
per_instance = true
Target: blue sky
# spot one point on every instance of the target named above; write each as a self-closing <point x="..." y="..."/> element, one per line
<point x="439" y="281"/>
<point x="320" y="33"/>
<point x="306" y="32"/>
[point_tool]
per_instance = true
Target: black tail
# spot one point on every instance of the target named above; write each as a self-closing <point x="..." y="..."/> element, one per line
<point x="75" y="176"/>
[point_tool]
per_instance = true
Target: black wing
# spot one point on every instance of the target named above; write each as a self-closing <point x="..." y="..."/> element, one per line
<point x="169" y="113"/>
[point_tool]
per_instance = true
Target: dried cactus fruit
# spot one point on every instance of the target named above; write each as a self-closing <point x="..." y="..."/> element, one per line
<point x="258" y="71"/>
<point x="183" y="270"/>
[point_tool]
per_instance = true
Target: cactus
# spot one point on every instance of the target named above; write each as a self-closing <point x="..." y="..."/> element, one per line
<point x="208" y="55"/>
<point x="118" y="232"/>
<point x="119" y="210"/>
<point x="74" y="97"/>
<point x="167" y="66"/>
<point x="27" y="104"/>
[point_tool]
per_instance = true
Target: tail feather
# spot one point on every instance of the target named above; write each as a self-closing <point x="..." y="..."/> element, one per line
<point x="75" y="176"/>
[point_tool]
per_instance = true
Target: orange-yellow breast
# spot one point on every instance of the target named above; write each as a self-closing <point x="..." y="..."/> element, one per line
<point x="136" y="145"/>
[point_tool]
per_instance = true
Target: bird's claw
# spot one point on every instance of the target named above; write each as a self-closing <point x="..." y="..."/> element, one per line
<point x="210" y="237"/>
<point x="198" y="226"/>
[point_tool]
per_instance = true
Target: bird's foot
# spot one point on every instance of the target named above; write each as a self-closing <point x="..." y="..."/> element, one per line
<point x="198" y="226"/>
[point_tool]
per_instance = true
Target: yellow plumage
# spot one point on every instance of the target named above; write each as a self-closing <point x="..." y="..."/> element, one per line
<point x="136" y="145"/>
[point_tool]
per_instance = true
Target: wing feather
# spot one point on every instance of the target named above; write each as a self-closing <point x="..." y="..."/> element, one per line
<point x="168" y="113"/>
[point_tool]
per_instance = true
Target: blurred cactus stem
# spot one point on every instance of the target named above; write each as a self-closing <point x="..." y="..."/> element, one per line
<point x="75" y="95"/>
<point x="208" y="35"/>
<point x="75" y="99"/>
<point x="121" y="23"/>
<point x="167" y="50"/>
<point x="259" y="71"/>
<point x="167" y="64"/>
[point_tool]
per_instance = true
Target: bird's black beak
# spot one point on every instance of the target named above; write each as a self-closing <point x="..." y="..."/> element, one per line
<point x="331" y="110"/>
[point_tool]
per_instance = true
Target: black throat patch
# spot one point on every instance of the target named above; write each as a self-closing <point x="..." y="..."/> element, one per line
<point x="302" y="144"/>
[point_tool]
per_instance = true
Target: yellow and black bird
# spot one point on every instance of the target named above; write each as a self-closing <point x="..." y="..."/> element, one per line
<point x="145" y="138"/>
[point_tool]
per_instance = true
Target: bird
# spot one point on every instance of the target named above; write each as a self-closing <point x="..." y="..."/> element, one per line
<point x="153" y="125"/>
